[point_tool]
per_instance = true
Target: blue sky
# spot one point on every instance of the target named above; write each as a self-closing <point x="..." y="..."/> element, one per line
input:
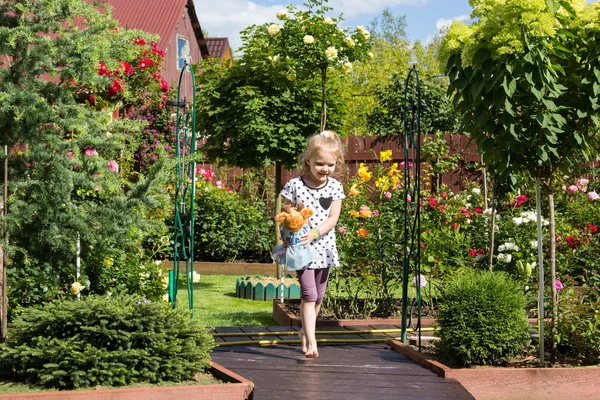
<point x="424" y="17"/>
<point x="225" y="18"/>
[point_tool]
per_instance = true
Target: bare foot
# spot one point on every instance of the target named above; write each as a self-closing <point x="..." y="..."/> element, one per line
<point x="311" y="351"/>
<point x="302" y="340"/>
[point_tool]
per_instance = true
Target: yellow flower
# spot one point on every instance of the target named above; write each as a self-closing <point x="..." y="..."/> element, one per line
<point x="349" y="42"/>
<point x="371" y="55"/>
<point x="353" y="213"/>
<point x="385" y="155"/>
<point x="108" y="262"/>
<point x="362" y="232"/>
<point x="383" y="183"/>
<point x="354" y="191"/>
<point x="165" y="282"/>
<point x="363" y="172"/>
<point x="76" y="288"/>
<point x="308" y="39"/>
<point x="395" y="180"/>
<point x="393" y="169"/>
<point x="365" y="212"/>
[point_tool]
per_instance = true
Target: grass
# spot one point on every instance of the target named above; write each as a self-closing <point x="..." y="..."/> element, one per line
<point x="215" y="304"/>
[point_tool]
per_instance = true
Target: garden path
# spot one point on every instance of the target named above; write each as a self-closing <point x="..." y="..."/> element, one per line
<point x="341" y="372"/>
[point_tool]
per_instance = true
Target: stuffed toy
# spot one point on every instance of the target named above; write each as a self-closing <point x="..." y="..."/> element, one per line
<point x="294" y="224"/>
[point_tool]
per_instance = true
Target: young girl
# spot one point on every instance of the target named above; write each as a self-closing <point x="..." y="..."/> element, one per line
<point x="317" y="189"/>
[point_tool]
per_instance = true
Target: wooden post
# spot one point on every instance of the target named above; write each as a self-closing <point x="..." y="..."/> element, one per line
<point x="3" y="285"/>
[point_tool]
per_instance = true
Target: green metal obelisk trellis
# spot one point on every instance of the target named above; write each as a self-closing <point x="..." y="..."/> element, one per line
<point x="185" y="184"/>
<point x="411" y="261"/>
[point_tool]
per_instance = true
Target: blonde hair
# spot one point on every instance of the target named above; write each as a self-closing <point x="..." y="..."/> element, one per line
<point x="328" y="141"/>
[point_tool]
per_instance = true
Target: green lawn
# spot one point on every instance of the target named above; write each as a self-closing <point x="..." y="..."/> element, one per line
<point x="215" y="304"/>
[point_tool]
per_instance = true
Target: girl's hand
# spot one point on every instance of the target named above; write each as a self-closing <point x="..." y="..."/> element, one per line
<point x="309" y="237"/>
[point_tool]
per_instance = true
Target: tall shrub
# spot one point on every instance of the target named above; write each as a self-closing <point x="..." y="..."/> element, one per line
<point x="482" y="319"/>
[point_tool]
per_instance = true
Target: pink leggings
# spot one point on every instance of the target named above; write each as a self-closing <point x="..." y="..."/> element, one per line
<point x="313" y="283"/>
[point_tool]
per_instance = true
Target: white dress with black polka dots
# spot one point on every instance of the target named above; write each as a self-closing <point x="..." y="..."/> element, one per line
<point x="296" y="191"/>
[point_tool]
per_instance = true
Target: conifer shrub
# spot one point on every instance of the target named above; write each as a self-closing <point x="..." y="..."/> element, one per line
<point x="482" y="319"/>
<point x="108" y="341"/>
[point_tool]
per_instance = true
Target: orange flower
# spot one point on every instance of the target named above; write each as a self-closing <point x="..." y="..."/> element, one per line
<point x="362" y="232"/>
<point x="353" y="213"/>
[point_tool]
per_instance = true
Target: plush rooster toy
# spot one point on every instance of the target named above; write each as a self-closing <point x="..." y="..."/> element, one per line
<point x="294" y="225"/>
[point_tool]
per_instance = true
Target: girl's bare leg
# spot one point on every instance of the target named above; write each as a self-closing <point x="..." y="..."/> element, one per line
<point x="308" y="317"/>
<point x="301" y="335"/>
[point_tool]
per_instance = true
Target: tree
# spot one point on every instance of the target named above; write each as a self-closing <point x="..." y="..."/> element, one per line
<point x="390" y="56"/>
<point x="67" y="67"/>
<point x="308" y="43"/>
<point x="529" y="91"/>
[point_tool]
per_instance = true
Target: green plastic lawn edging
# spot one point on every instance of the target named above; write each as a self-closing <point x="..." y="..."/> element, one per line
<point x="246" y="289"/>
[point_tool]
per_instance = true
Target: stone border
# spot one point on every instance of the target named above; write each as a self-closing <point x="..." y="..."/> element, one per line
<point x="283" y="317"/>
<point x="235" y="388"/>
<point x="513" y="383"/>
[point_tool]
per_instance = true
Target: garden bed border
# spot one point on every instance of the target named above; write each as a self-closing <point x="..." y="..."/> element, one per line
<point x="513" y="383"/>
<point x="235" y="387"/>
<point x="284" y="317"/>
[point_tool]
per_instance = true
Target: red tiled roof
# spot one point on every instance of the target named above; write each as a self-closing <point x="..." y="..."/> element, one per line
<point x="153" y="16"/>
<point x="217" y="46"/>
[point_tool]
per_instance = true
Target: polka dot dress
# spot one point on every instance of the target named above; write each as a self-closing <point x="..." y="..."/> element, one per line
<point x="296" y="191"/>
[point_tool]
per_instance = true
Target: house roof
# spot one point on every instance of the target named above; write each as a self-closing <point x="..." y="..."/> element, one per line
<point x="217" y="46"/>
<point x="156" y="16"/>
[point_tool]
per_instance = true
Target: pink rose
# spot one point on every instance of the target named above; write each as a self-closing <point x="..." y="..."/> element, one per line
<point x="387" y="195"/>
<point x="572" y="189"/>
<point x="70" y="154"/>
<point x="113" y="166"/>
<point x="559" y="285"/>
<point x="593" y="196"/>
<point x="91" y="152"/>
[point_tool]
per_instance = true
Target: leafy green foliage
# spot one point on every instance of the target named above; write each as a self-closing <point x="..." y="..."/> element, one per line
<point x="481" y="319"/>
<point x="229" y="227"/>
<point x="73" y="179"/>
<point x="253" y="116"/>
<point x="578" y="327"/>
<point x="438" y="114"/>
<point x="110" y="341"/>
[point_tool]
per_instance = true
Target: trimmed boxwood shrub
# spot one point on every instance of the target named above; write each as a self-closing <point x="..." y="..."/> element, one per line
<point x="482" y="319"/>
<point x="108" y="341"/>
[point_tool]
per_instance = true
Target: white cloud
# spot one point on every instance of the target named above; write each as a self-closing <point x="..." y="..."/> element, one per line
<point x="445" y="23"/>
<point x="226" y="18"/>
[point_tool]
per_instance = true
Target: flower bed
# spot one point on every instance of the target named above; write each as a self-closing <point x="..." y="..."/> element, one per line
<point x="235" y="387"/>
<point x="513" y="383"/>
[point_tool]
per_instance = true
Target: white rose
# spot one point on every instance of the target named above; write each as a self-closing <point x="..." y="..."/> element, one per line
<point x="195" y="277"/>
<point x="534" y="244"/>
<point x="476" y="191"/>
<point x="371" y="55"/>
<point x="274" y="29"/>
<point x="504" y="258"/>
<point x="331" y="53"/>
<point x="328" y="21"/>
<point x="281" y="14"/>
<point x="349" y="42"/>
<point x="347" y="67"/>
<point x="518" y="220"/>
<point x="308" y="39"/>
<point x="76" y="288"/>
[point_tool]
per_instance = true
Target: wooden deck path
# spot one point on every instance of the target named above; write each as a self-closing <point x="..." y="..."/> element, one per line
<point x="356" y="371"/>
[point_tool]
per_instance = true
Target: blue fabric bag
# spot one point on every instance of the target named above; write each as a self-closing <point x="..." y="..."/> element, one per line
<point x="296" y="256"/>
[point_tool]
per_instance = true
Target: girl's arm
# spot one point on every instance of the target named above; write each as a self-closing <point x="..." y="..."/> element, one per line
<point x="327" y="225"/>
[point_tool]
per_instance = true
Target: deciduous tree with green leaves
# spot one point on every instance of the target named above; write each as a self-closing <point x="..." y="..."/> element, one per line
<point x="528" y="90"/>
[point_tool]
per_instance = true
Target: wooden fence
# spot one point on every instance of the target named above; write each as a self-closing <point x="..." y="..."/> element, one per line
<point x="366" y="149"/>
